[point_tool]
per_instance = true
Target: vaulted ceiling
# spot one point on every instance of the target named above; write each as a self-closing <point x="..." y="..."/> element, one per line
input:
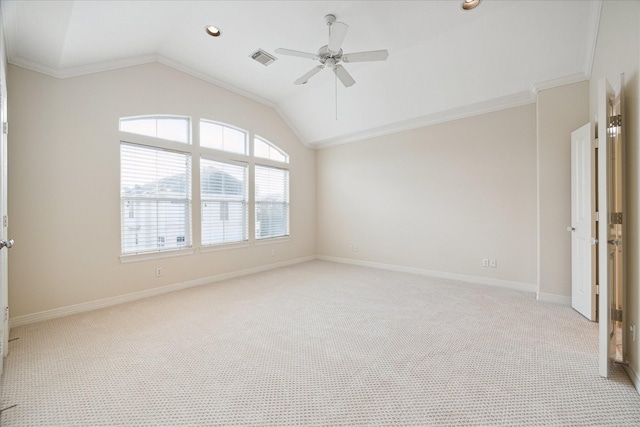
<point x="444" y="62"/>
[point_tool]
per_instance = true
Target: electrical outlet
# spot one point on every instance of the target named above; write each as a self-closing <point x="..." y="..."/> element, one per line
<point x="273" y="252"/>
<point x="485" y="262"/>
<point x="159" y="272"/>
<point x="492" y="263"/>
<point x="355" y="248"/>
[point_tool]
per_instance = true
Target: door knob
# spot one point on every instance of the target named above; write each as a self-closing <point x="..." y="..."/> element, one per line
<point x="6" y="244"/>
<point x="571" y="228"/>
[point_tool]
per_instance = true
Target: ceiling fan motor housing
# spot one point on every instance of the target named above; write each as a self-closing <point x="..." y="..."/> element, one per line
<point x="328" y="58"/>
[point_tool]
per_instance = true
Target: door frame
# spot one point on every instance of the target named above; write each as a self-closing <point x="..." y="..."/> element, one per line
<point x="611" y="282"/>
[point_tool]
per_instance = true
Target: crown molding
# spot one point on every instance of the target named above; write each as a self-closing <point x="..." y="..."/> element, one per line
<point x="509" y="101"/>
<point x="592" y="36"/>
<point x="210" y="79"/>
<point x="295" y="130"/>
<point x="65" y="73"/>
<point x="561" y="81"/>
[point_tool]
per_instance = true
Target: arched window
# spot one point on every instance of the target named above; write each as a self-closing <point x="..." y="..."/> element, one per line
<point x="266" y="150"/>
<point x="222" y="137"/>
<point x="171" y="128"/>
<point x="156" y="156"/>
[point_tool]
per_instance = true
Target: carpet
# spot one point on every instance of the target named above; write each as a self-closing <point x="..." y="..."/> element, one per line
<point x="317" y="344"/>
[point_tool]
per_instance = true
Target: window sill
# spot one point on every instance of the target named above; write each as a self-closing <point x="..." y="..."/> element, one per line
<point x="224" y="247"/>
<point x="272" y="240"/>
<point x="125" y="259"/>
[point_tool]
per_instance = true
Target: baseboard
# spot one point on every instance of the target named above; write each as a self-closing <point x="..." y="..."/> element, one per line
<point x="107" y="302"/>
<point x="519" y="286"/>
<point x="633" y="376"/>
<point x="558" y="299"/>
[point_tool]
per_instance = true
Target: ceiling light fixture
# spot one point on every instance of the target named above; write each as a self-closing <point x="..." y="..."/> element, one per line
<point x="470" y="4"/>
<point x="212" y="30"/>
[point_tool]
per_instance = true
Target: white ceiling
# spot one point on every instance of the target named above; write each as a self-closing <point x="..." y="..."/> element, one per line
<point x="443" y="62"/>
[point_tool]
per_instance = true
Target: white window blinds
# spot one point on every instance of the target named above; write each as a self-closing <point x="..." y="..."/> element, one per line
<point x="271" y="202"/>
<point x="223" y="189"/>
<point x="155" y="192"/>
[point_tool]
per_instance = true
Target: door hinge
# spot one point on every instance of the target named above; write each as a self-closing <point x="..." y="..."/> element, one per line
<point x="597" y="216"/>
<point x="5" y="221"/>
<point x="616" y="217"/>
<point x="6" y="314"/>
<point x="616" y="315"/>
<point x="597" y="289"/>
<point x="5" y="128"/>
<point x="615" y="121"/>
<point x="597" y="145"/>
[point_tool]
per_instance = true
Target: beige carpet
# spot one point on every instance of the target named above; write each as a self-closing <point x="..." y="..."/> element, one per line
<point x="317" y="343"/>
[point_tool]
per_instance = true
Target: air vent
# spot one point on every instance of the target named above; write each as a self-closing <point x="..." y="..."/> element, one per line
<point x="263" y="57"/>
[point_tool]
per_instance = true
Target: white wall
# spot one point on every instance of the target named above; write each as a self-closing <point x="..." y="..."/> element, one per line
<point x="439" y="198"/>
<point x="64" y="208"/>
<point x="618" y="51"/>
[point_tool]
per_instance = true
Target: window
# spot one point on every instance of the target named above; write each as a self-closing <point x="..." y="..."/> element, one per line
<point x="271" y="202"/>
<point x="155" y="192"/>
<point x="223" y="188"/>
<point x="157" y="157"/>
<point x="164" y="127"/>
<point x="266" y="150"/>
<point x="221" y="137"/>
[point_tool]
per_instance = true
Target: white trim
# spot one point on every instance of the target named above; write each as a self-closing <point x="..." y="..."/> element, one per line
<point x="130" y="62"/>
<point x="633" y="376"/>
<point x="519" y="286"/>
<point x="207" y="78"/>
<point x="108" y="302"/>
<point x="271" y="240"/>
<point x="126" y="259"/>
<point x="592" y="36"/>
<point x="497" y="104"/>
<point x="225" y="246"/>
<point x="561" y="81"/>
<point x="293" y="129"/>
<point x="99" y="67"/>
<point x="557" y="299"/>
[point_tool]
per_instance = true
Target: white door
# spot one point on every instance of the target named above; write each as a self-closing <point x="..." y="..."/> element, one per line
<point x="5" y="243"/>
<point x="606" y="335"/>
<point x="583" y="225"/>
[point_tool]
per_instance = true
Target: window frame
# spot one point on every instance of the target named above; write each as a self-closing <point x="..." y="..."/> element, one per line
<point x="286" y="203"/>
<point x="246" y="224"/>
<point x="198" y="152"/>
<point x="189" y="135"/>
<point x="247" y="140"/>
<point x="188" y="200"/>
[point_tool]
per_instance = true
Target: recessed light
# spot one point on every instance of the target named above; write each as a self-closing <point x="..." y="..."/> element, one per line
<point x="470" y="4"/>
<point x="212" y="30"/>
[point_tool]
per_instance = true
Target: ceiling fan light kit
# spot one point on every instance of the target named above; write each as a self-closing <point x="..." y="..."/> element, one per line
<point x="470" y="4"/>
<point x="331" y="54"/>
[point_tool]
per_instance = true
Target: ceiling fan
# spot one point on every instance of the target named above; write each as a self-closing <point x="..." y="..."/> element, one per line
<point x="331" y="54"/>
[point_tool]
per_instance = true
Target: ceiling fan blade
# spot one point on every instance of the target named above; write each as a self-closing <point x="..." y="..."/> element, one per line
<point x="296" y="53"/>
<point x="372" y="55"/>
<point x="337" y="33"/>
<point x="344" y="76"/>
<point x="302" y="80"/>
